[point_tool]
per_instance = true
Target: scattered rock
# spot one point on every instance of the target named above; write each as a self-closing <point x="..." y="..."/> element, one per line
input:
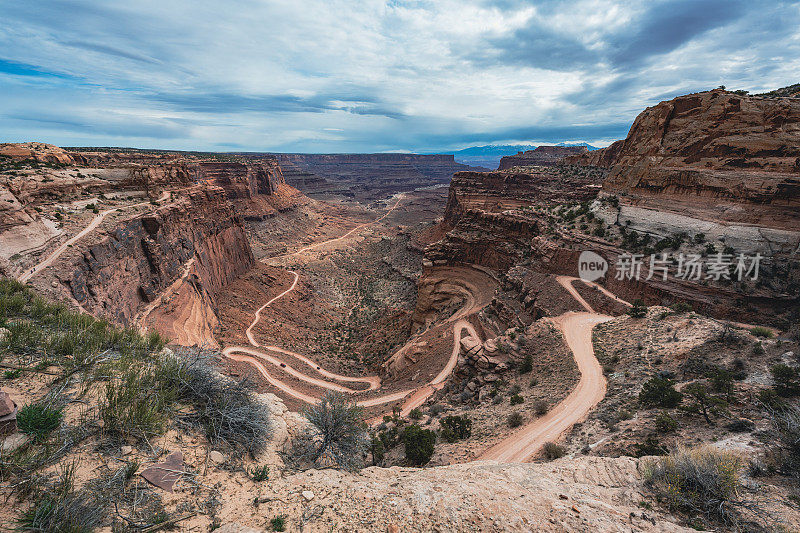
<point x="308" y="495"/>
<point x="13" y="443"/>
<point x="3" y="334"/>
<point x="126" y="450"/>
<point x="216" y="457"/>
<point x="165" y="475"/>
<point x="237" y="528"/>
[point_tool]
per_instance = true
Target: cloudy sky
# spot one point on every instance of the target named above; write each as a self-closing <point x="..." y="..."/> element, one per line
<point x="370" y="76"/>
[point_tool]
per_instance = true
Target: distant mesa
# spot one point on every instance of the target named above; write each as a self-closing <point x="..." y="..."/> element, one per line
<point x="542" y="156"/>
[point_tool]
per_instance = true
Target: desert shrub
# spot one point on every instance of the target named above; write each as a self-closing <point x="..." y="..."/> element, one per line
<point x="455" y="428"/>
<point x="552" y="451"/>
<point x="278" y="523"/>
<point x="58" y="508"/>
<point x="740" y="425"/>
<point x="770" y="399"/>
<point x="415" y="414"/>
<point x="681" y="307"/>
<point x="378" y="450"/>
<point x="786" y="421"/>
<point x="38" y="420"/>
<point x="638" y="309"/>
<point x="659" y="392"/>
<point x="703" y="479"/>
<point x="514" y="389"/>
<point x="758" y="349"/>
<point x="763" y="332"/>
<point x="664" y="423"/>
<point x="260" y="473"/>
<point x="703" y="401"/>
<point x="540" y="407"/>
<point x="338" y="423"/>
<point x="435" y="409"/>
<point x="134" y="403"/>
<point x="12" y="374"/>
<point x="516" y="399"/>
<point x="787" y="380"/>
<point x="650" y="446"/>
<point x="419" y="444"/>
<point x="515" y="420"/>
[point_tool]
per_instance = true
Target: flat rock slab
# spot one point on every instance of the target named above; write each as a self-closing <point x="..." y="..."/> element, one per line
<point x="13" y="442"/>
<point x="165" y="475"/>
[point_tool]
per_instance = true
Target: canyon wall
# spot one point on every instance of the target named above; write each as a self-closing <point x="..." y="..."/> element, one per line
<point x="143" y="256"/>
<point x="366" y="177"/>
<point x="715" y="157"/>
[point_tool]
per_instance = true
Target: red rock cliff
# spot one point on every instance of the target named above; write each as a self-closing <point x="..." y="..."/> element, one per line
<point x="117" y="276"/>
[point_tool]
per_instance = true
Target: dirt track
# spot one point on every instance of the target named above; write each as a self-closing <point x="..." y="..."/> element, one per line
<point x="577" y="330"/>
<point x="28" y="274"/>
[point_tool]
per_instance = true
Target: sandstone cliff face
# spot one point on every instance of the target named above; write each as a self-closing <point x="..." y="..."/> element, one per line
<point x="540" y="156"/>
<point x="713" y="155"/>
<point x="143" y="256"/>
<point x="243" y="180"/>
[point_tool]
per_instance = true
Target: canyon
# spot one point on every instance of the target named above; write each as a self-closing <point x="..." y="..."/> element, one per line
<point x="428" y="291"/>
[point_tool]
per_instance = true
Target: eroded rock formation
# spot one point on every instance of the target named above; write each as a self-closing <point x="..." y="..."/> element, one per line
<point x="540" y="156"/>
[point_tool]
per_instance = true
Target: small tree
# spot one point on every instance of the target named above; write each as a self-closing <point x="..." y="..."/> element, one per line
<point x="659" y="392"/>
<point x="527" y="364"/>
<point x="638" y="309"/>
<point x="419" y="444"/>
<point x="704" y="402"/>
<point x="339" y="422"/>
<point x="787" y="380"/>
<point x="456" y="428"/>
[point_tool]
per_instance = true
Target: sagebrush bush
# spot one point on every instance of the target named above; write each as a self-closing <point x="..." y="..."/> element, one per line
<point x="342" y="434"/>
<point x="552" y="451"/>
<point x="703" y="479"/>
<point x="515" y="420"/>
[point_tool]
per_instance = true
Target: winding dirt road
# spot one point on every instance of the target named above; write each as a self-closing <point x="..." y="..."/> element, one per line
<point x="591" y="389"/>
<point x="257" y="354"/>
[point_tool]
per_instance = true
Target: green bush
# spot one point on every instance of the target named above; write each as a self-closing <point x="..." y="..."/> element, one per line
<point x="260" y="473"/>
<point x="552" y="451"/>
<point x="516" y="399"/>
<point x="455" y="428"/>
<point x="540" y="407"/>
<point x="38" y="420"/>
<point x="681" y="307"/>
<point x="665" y="423"/>
<point x="419" y="444"/>
<point x="515" y="420"/>
<point x="415" y="414"/>
<point x="278" y="523"/>
<point x="527" y="364"/>
<point x="638" y="309"/>
<point x="763" y="332"/>
<point x="659" y="392"/>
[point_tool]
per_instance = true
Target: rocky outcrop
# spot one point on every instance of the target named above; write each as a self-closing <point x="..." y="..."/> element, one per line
<point x="243" y="180"/>
<point x="714" y="156"/>
<point x="35" y="151"/>
<point x="22" y="230"/>
<point x="544" y="156"/>
<point x="514" y="189"/>
<point x="143" y="256"/>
